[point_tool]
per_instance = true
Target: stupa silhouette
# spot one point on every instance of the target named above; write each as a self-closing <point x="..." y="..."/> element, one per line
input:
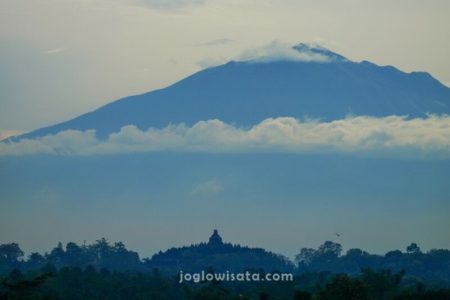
<point x="215" y="240"/>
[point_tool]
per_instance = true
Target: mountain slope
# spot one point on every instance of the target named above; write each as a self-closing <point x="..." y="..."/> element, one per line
<point x="245" y="93"/>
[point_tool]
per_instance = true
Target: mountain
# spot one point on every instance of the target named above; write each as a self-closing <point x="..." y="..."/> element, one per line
<point x="219" y="255"/>
<point x="247" y="92"/>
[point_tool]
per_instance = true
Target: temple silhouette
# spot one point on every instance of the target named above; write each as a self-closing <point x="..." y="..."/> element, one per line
<point x="215" y="240"/>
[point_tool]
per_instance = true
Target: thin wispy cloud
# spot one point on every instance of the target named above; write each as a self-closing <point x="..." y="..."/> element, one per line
<point x="387" y="136"/>
<point x="168" y="4"/>
<point x="207" y="188"/>
<point x="55" y="50"/>
<point x="217" y="42"/>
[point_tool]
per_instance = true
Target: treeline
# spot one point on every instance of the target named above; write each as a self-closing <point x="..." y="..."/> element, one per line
<point x="432" y="267"/>
<point x="100" y="254"/>
<point x="89" y="283"/>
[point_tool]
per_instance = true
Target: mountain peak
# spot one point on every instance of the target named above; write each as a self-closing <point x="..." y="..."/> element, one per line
<point x="314" y="49"/>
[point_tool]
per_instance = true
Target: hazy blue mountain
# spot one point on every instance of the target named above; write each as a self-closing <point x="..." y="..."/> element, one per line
<point x="245" y="93"/>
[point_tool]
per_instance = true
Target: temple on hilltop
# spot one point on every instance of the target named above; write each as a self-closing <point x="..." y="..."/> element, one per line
<point x="215" y="240"/>
<point x="220" y="256"/>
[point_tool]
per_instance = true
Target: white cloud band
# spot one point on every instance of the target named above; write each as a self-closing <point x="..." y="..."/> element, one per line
<point x="394" y="135"/>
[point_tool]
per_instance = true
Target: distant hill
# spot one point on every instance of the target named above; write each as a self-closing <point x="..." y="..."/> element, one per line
<point x="219" y="256"/>
<point x="247" y="92"/>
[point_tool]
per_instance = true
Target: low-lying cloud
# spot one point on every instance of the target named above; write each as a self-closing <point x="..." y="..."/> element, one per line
<point x="387" y="136"/>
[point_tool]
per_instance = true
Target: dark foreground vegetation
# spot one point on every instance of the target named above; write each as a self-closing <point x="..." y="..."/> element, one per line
<point x="110" y="271"/>
<point x="89" y="283"/>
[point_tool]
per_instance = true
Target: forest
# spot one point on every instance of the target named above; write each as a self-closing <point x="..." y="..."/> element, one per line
<point x="104" y="270"/>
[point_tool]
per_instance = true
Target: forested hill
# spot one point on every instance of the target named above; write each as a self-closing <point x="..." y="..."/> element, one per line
<point x="220" y="256"/>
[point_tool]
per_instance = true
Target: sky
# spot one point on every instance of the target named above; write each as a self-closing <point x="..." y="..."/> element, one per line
<point x="62" y="58"/>
<point x="278" y="201"/>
